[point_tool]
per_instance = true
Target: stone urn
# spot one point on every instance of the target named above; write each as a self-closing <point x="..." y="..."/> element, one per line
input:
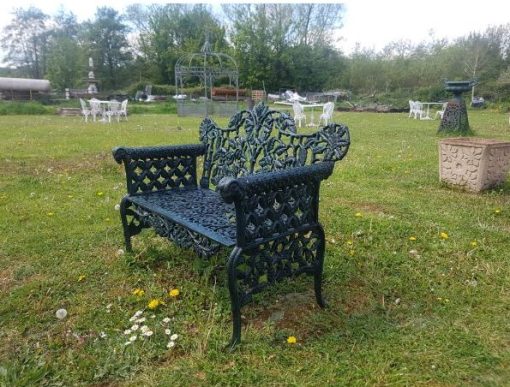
<point x="474" y="164"/>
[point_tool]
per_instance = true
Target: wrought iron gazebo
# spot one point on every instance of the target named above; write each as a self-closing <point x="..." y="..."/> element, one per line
<point x="208" y="67"/>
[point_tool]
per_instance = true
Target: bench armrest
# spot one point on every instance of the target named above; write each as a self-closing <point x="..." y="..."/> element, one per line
<point x="272" y="204"/>
<point x="159" y="168"/>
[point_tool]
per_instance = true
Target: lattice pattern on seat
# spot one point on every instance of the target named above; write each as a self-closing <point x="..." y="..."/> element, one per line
<point x="199" y="210"/>
<point x="264" y="140"/>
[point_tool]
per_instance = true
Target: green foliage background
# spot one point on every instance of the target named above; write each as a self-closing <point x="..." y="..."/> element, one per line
<point x="276" y="46"/>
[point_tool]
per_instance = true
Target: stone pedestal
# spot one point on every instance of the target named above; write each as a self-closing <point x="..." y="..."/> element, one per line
<point x="474" y="164"/>
<point x="455" y="118"/>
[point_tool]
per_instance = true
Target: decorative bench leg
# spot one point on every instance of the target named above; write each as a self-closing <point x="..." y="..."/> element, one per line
<point x="319" y="264"/>
<point x="125" y="225"/>
<point x="234" y="297"/>
<point x="131" y="224"/>
<point x="246" y="267"/>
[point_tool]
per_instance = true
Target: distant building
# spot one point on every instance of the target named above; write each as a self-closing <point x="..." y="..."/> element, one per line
<point x="23" y="88"/>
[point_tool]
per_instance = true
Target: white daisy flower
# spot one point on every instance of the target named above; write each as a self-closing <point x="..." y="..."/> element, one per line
<point x="166" y="320"/>
<point x="117" y="207"/>
<point x="141" y="320"/>
<point x="168" y="332"/>
<point x="102" y="335"/>
<point x="170" y="344"/>
<point x="138" y="313"/>
<point x="127" y="332"/>
<point x="132" y="338"/>
<point x="61" y="314"/>
<point x="144" y="328"/>
<point x="174" y="337"/>
<point x="148" y="333"/>
<point x="134" y="327"/>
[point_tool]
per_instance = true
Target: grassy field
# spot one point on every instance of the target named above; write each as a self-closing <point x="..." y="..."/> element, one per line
<point x="417" y="275"/>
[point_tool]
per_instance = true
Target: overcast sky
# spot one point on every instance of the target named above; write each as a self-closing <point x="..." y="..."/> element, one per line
<point x="371" y="23"/>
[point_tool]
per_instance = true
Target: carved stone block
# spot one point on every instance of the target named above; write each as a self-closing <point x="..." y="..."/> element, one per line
<point x="474" y="164"/>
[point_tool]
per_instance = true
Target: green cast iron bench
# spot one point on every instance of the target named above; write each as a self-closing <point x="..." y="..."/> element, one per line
<point x="258" y="196"/>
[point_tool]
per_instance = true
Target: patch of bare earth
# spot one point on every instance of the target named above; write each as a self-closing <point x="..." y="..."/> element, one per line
<point x="6" y="280"/>
<point x="299" y="311"/>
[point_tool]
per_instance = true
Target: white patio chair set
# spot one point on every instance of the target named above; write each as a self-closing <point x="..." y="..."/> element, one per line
<point x="325" y="117"/>
<point x="421" y="110"/>
<point x="105" y="109"/>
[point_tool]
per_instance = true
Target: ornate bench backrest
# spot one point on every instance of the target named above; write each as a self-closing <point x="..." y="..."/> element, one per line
<point x="264" y="140"/>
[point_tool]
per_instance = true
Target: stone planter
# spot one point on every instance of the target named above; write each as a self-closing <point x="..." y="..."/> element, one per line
<point x="474" y="164"/>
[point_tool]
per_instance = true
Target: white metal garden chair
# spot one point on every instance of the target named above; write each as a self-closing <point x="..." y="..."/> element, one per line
<point x="113" y="111"/>
<point x="299" y="113"/>
<point x="85" y="111"/>
<point x="440" y="113"/>
<point x="416" y="109"/>
<point x="327" y="113"/>
<point x="123" y="109"/>
<point x="95" y="108"/>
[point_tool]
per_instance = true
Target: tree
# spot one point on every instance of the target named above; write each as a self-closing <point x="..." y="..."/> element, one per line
<point x="25" y="39"/>
<point x="166" y="32"/>
<point x="284" y="45"/>
<point x="108" y="46"/>
<point x="66" y="60"/>
<point x="477" y="52"/>
<point x="66" y="63"/>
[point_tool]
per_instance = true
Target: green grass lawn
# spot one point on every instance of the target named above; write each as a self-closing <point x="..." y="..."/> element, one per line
<point x="406" y="306"/>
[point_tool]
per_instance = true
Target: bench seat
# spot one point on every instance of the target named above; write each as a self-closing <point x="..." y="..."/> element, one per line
<point x="200" y="210"/>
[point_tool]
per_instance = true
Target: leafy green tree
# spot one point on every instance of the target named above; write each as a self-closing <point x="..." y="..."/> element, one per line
<point x="106" y="39"/>
<point x="25" y="39"/>
<point x="66" y="59"/>
<point x="66" y="63"/>
<point x="284" y="45"/>
<point x="166" y="32"/>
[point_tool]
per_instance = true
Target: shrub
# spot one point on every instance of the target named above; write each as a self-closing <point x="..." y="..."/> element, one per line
<point x="17" y="107"/>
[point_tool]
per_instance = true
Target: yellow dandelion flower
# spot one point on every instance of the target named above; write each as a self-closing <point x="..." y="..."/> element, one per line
<point x="497" y="211"/>
<point x="174" y="293"/>
<point x="443" y="235"/>
<point x="81" y="278"/>
<point x="291" y="340"/>
<point x="154" y="303"/>
<point x="51" y="213"/>
<point x="474" y="243"/>
<point x="70" y="196"/>
<point x="358" y="214"/>
<point x="99" y="194"/>
<point x="138" y="292"/>
<point x="412" y="238"/>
